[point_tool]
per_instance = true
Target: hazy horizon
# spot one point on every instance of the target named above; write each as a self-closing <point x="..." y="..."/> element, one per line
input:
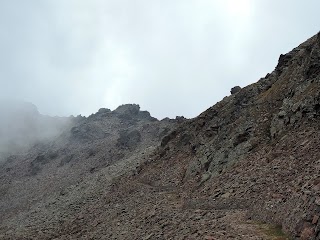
<point x="172" y="58"/>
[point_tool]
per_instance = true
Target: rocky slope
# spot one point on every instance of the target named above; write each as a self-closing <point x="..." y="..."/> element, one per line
<point x="249" y="162"/>
<point x="87" y="156"/>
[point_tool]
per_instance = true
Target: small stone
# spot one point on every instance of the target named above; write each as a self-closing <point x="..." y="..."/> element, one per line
<point x="317" y="201"/>
<point x="205" y="177"/>
<point x="226" y="195"/>
<point x="316" y="187"/>
<point x="282" y="114"/>
<point x="295" y="107"/>
<point x="292" y="157"/>
<point x="307" y="233"/>
<point x="315" y="219"/>
<point x="304" y="143"/>
<point x="148" y="237"/>
<point x="209" y="238"/>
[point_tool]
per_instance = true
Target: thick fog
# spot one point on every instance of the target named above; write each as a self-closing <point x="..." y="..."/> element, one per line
<point x="21" y="126"/>
<point x="174" y="57"/>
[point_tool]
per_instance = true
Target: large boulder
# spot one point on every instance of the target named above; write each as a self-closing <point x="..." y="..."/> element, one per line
<point x="235" y="89"/>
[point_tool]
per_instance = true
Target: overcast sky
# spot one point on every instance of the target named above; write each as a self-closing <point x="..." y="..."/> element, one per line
<point x="173" y="57"/>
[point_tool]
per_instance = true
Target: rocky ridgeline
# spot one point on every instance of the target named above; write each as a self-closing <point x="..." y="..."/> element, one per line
<point x="259" y="147"/>
<point x="114" y="141"/>
<point x="248" y="163"/>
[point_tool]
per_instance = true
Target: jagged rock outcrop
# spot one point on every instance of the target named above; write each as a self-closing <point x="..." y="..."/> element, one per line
<point x="235" y="89"/>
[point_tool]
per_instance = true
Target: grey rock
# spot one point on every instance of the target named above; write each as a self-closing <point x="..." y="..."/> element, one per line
<point x="235" y="89"/>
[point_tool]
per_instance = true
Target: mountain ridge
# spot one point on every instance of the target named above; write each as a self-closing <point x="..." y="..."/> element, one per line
<point x="252" y="157"/>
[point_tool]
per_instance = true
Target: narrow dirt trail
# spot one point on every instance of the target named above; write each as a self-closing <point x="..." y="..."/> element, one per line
<point x="207" y="222"/>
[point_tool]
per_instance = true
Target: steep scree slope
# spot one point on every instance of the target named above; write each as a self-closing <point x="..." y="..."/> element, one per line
<point x="82" y="160"/>
<point x="257" y="149"/>
<point x="251" y="158"/>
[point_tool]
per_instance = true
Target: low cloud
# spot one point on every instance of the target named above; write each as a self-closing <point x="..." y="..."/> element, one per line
<point x="171" y="57"/>
<point x="21" y="126"/>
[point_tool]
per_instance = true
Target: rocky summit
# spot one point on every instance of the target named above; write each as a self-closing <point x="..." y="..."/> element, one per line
<point x="246" y="168"/>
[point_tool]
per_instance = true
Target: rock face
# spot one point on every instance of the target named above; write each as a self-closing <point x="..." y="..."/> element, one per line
<point x="260" y="146"/>
<point x="122" y="174"/>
